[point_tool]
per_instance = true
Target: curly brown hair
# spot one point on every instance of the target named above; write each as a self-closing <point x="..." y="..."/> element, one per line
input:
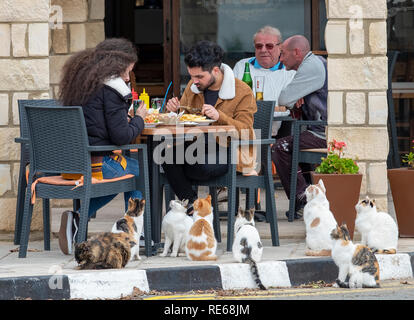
<point x="85" y="72"/>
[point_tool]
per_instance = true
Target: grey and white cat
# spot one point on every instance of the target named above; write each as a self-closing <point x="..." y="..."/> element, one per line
<point x="378" y="229"/>
<point x="355" y="262"/>
<point x="175" y="225"/>
<point x="247" y="247"/>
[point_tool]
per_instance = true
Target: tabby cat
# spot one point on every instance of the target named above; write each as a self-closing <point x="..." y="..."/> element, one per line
<point x="357" y="262"/>
<point x="201" y="244"/>
<point x="247" y="247"/>
<point x="114" y="249"/>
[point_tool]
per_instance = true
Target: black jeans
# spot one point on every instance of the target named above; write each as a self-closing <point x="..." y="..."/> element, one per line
<point x="282" y="158"/>
<point x="179" y="176"/>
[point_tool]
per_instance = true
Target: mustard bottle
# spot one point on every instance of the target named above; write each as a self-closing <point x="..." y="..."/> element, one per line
<point x="145" y="97"/>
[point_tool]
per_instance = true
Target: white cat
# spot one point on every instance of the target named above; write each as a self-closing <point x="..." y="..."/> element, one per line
<point x="247" y="247"/>
<point x="319" y="221"/>
<point x="378" y="229"/>
<point x="175" y="225"/>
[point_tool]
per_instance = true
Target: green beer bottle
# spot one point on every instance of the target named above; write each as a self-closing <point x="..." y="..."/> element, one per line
<point x="247" y="78"/>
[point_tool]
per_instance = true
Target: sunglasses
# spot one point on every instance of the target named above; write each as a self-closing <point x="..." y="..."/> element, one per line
<point x="269" y="46"/>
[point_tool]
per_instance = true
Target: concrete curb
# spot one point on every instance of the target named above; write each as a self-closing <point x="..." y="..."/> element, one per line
<point x="112" y="284"/>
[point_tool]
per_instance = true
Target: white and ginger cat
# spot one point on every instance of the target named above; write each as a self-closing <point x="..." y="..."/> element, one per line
<point x="201" y="244"/>
<point x="357" y="262"/>
<point x="378" y="229"/>
<point x="176" y="225"/>
<point x="319" y="221"/>
<point x="247" y="247"/>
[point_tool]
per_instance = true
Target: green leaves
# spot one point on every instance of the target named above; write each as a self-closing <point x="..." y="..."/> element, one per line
<point x="333" y="163"/>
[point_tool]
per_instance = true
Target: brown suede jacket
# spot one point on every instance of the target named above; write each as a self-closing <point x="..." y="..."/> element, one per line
<point x="236" y="106"/>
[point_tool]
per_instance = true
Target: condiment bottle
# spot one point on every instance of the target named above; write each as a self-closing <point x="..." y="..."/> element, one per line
<point x="145" y="97"/>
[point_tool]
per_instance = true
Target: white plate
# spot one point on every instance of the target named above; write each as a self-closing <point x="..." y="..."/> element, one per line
<point x="152" y="125"/>
<point x="205" y="122"/>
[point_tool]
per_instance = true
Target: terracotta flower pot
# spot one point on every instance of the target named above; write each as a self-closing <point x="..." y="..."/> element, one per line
<point x="342" y="192"/>
<point x="402" y="189"/>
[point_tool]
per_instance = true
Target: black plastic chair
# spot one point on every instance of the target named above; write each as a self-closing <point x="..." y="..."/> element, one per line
<point x="58" y="142"/>
<point x="234" y="181"/>
<point x="312" y="156"/>
<point x="393" y="160"/>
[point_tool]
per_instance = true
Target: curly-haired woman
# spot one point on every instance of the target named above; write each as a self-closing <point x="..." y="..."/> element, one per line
<point x="96" y="79"/>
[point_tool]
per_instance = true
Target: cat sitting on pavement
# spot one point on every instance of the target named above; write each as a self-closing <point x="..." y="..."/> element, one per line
<point x="356" y="262"/>
<point x="378" y="230"/>
<point x="114" y="249"/>
<point x="175" y="225"/>
<point x="201" y="243"/>
<point x="247" y="247"/>
<point x="319" y="221"/>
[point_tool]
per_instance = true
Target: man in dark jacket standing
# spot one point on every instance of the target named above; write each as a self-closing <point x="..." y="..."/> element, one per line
<point x="307" y="91"/>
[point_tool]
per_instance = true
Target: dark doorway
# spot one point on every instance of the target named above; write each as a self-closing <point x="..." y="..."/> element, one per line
<point x="146" y="23"/>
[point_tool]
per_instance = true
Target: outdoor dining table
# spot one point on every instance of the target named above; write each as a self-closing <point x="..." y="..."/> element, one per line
<point x="154" y="137"/>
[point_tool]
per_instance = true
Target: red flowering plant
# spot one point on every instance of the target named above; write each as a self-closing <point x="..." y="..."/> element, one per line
<point x="335" y="163"/>
<point x="409" y="159"/>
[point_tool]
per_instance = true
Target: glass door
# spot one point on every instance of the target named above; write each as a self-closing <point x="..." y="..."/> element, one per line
<point x="232" y="24"/>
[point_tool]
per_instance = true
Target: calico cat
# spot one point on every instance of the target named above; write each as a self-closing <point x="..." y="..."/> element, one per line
<point x="114" y="249"/>
<point x="356" y="261"/>
<point x="201" y="244"/>
<point x="319" y="221"/>
<point x="176" y="225"/>
<point x="378" y="230"/>
<point x="247" y="247"/>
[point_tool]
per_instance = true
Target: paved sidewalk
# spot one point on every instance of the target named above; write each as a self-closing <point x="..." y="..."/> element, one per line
<point x="52" y="275"/>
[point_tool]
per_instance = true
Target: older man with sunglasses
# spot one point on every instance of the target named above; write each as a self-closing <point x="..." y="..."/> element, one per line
<point x="266" y="63"/>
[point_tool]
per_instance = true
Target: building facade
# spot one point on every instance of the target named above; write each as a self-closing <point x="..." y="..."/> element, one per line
<point x="37" y="36"/>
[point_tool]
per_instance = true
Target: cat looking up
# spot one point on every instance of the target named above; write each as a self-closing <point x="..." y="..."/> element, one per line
<point x="319" y="221"/>
<point x="201" y="244"/>
<point x="175" y="226"/>
<point x="247" y="247"/>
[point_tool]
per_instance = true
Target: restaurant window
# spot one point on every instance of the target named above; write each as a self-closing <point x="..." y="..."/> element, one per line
<point x="400" y="30"/>
<point x="232" y="24"/>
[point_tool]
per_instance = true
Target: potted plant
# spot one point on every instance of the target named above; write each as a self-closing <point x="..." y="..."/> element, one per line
<point x="402" y="189"/>
<point x="342" y="180"/>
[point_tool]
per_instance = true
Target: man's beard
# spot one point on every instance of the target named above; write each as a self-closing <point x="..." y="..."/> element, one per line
<point x="208" y="85"/>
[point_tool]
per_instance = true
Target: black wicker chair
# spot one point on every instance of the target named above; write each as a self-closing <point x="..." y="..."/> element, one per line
<point x="58" y="142"/>
<point x="24" y="162"/>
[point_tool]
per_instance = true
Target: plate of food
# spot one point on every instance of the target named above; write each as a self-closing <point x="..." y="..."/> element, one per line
<point x="195" y="118"/>
<point x="152" y="120"/>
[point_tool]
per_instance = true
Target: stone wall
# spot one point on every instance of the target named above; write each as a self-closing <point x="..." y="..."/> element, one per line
<point x="81" y="27"/>
<point x="24" y="65"/>
<point x="356" y="41"/>
<point x="36" y="36"/>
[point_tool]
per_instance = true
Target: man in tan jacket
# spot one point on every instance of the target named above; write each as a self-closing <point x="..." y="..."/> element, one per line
<point x="221" y="97"/>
